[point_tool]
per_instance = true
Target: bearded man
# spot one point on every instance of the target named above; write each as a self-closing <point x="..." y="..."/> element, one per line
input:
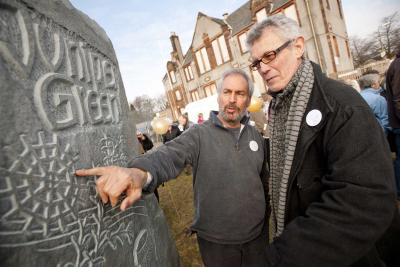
<point x="229" y="174"/>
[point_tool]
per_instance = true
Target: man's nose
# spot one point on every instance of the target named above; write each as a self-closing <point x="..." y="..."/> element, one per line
<point x="264" y="68"/>
<point x="232" y="97"/>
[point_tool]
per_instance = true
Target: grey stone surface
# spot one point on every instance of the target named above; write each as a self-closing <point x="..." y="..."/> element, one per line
<point x="62" y="108"/>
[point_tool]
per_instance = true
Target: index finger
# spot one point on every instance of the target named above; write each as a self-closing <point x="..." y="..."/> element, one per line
<point x="90" y="172"/>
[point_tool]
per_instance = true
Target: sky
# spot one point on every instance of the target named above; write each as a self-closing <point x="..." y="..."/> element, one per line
<point x="140" y="31"/>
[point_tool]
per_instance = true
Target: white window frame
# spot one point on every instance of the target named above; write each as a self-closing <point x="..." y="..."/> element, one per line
<point x="210" y="89"/>
<point x="291" y="12"/>
<point x="189" y="73"/>
<point x="178" y="95"/>
<point x="261" y="14"/>
<point x="202" y="60"/>
<point x="220" y="50"/>
<point x="242" y="41"/>
<point x="195" y="95"/>
<point x="172" y="76"/>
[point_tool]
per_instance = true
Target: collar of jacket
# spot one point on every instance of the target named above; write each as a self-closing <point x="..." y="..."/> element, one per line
<point x="371" y="90"/>
<point x="318" y="101"/>
<point x="215" y="120"/>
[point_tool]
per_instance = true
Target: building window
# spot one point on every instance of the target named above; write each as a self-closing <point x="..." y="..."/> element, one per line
<point x="172" y="76"/>
<point x="335" y="44"/>
<point x="178" y="95"/>
<point x="210" y="90"/>
<point x="242" y="42"/>
<point x="261" y="15"/>
<point x="328" y="6"/>
<point x="195" y="95"/>
<point x="348" y="48"/>
<point x="220" y="50"/>
<point x="290" y="12"/>
<point x="189" y="73"/>
<point x="339" y="8"/>
<point x="202" y="60"/>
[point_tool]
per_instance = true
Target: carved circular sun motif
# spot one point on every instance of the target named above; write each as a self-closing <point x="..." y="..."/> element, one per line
<point x="39" y="188"/>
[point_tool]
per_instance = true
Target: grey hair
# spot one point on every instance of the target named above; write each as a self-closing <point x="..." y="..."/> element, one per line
<point x="366" y="81"/>
<point x="283" y="26"/>
<point x="240" y="72"/>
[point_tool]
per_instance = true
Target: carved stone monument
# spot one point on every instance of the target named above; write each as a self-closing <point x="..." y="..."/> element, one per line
<point x="62" y="108"/>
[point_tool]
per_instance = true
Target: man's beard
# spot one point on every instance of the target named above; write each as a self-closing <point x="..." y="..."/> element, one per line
<point x="228" y="118"/>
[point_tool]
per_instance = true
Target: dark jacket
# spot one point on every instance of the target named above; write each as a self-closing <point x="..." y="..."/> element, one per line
<point x="171" y="134"/>
<point x="229" y="193"/>
<point x="146" y="143"/>
<point x="341" y="193"/>
<point x="393" y="92"/>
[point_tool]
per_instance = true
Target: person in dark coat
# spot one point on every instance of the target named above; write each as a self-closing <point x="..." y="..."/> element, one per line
<point x="145" y="141"/>
<point x="331" y="185"/>
<point x="393" y="100"/>
<point x="147" y="145"/>
<point x="173" y="131"/>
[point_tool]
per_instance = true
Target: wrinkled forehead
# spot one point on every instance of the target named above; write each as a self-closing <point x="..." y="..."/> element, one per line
<point x="235" y="82"/>
<point x="270" y="39"/>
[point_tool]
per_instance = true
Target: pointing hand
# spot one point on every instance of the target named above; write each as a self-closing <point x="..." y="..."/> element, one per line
<point x="114" y="181"/>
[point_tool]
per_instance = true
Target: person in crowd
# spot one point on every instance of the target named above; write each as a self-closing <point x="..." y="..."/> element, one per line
<point x="393" y="100"/>
<point x="331" y="183"/>
<point x="172" y="133"/>
<point x="145" y="141"/>
<point x="353" y="83"/>
<point x="183" y="125"/>
<point x="200" y="118"/>
<point x="184" y="122"/>
<point x="229" y="178"/>
<point x="146" y="145"/>
<point x="370" y="91"/>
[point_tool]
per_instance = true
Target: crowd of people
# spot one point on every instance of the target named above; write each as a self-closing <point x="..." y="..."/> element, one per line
<point x="320" y="190"/>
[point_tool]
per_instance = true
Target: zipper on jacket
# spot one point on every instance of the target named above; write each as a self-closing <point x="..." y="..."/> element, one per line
<point x="242" y="126"/>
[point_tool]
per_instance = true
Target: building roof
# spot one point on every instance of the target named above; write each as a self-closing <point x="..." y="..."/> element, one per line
<point x="240" y="18"/>
<point x="219" y="21"/>
<point x="188" y="57"/>
<point x="278" y="4"/>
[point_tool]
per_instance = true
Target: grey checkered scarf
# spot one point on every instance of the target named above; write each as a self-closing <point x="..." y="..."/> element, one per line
<point x="287" y="110"/>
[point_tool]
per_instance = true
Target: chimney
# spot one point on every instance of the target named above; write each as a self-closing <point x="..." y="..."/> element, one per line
<point x="176" y="46"/>
<point x="225" y="15"/>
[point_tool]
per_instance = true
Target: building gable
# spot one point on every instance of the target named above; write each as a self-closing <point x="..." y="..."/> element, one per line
<point x="206" y="26"/>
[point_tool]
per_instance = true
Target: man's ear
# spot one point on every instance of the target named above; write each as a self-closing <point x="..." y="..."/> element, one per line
<point x="299" y="46"/>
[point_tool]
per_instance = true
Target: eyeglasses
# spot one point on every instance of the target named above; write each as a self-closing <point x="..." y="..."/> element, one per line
<point x="268" y="56"/>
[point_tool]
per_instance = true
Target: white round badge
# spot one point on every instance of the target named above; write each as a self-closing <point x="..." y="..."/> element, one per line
<point x="314" y="117"/>
<point x="253" y="145"/>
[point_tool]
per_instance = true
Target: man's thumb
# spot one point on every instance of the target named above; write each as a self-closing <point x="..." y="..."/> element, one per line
<point x="131" y="197"/>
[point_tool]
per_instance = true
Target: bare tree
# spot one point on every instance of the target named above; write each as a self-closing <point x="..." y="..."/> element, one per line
<point x="387" y="35"/>
<point x="160" y="103"/>
<point x="146" y="107"/>
<point x="384" y="42"/>
<point x="362" y="50"/>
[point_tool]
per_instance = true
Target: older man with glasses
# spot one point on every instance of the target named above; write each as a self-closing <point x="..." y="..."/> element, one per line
<point x="331" y="181"/>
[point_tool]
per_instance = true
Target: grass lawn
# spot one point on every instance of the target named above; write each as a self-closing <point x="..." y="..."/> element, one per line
<point x="176" y="200"/>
